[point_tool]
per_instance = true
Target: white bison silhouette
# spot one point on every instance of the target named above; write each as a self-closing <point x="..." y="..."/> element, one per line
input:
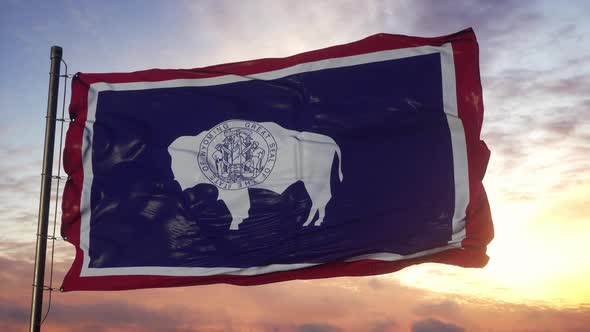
<point x="281" y="159"/>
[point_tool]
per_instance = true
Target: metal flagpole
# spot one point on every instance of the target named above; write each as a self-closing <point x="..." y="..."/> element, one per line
<point x="46" y="177"/>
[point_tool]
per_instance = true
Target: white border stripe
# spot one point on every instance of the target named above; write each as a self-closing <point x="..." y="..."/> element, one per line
<point x="85" y="209"/>
<point x="450" y="108"/>
<point x="459" y="146"/>
<point x="272" y="75"/>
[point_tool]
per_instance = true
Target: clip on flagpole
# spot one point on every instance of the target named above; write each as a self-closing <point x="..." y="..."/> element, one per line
<point x="43" y="220"/>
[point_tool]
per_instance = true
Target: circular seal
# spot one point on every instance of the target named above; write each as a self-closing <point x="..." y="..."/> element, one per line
<point x="237" y="154"/>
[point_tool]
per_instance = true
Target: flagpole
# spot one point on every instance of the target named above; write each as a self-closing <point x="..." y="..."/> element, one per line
<point x="43" y="220"/>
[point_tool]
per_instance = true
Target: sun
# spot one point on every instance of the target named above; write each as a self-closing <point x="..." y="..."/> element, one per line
<point x="538" y="256"/>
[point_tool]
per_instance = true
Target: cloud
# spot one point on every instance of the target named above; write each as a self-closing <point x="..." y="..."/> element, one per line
<point x="241" y="31"/>
<point x="121" y="314"/>
<point x="481" y="13"/>
<point x="98" y="316"/>
<point x="572" y="209"/>
<point x="300" y="26"/>
<point x="103" y="312"/>
<point x="433" y="325"/>
<point x="376" y="283"/>
<point x="11" y="314"/>
<point x="317" y="328"/>
<point x="19" y="192"/>
<point x="383" y="326"/>
<point x="538" y="148"/>
<point x="445" y="309"/>
<point x="341" y="304"/>
<point x="519" y="85"/>
<point x="519" y="18"/>
<point x="115" y="309"/>
<point x="305" y="25"/>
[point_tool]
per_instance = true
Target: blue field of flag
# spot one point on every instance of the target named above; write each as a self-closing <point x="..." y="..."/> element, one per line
<point x="395" y="154"/>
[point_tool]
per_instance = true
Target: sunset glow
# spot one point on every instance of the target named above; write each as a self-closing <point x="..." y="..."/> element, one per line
<point x="535" y="70"/>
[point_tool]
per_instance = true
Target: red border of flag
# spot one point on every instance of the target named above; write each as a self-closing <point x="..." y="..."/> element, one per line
<point x="479" y="228"/>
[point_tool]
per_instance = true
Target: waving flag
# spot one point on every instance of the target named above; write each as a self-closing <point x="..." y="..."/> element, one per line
<point x="353" y="160"/>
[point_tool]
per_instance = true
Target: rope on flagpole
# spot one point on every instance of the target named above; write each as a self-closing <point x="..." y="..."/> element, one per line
<point x="58" y="178"/>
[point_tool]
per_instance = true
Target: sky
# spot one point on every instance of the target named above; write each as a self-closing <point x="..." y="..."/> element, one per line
<point x="535" y="71"/>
